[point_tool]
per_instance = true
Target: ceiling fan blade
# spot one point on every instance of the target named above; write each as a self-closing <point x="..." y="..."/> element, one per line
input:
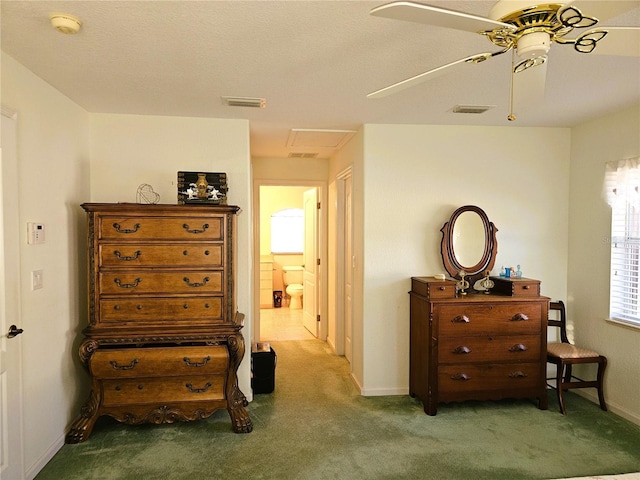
<point x="423" y="77"/>
<point x="602" y="10"/>
<point x="623" y="41"/>
<point x="529" y="86"/>
<point x="441" y="17"/>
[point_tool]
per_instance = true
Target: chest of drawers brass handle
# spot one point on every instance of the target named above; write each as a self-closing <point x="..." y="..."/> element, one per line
<point x="135" y="283"/>
<point x="126" y="230"/>
<point x="205" y="280"/>
<point x="517" y="374"/>
<point x="460" y="319"/>
<point x="205" y="360"/>
<point x="115" y="365"/>
<point x="124" y="258"/>
<point x="461" y="377"/>
<point x="198" y="390"/>
<point x="195" y="230"/>
<point x="519" y="317"/>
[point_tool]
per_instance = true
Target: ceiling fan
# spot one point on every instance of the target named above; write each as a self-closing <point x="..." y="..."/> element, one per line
<point x="527" y="30"/>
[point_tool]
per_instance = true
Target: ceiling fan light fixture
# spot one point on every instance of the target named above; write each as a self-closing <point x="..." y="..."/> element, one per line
<point x="533" y="45"/>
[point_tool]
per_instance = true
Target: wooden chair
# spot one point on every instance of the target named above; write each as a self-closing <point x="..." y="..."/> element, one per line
<point x="564" y="355"/>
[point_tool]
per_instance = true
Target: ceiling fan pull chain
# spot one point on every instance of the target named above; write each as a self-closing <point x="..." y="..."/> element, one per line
<point x="511" y="117"/>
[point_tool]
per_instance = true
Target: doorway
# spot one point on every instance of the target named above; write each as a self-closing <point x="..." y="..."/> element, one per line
<point x="273" y="317"/>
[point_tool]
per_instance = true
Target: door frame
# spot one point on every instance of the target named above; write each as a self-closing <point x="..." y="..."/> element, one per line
<point x="12" y="464"/>
<point x="342" y="262"/>
<point x="322" y="250"/>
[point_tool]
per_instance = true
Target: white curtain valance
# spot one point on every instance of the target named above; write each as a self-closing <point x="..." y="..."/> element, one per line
<point x="622" y="182"/>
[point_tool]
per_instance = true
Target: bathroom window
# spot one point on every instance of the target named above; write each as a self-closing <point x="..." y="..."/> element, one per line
<point x="287" y="231"/>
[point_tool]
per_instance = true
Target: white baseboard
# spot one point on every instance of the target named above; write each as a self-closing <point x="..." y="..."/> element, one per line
<point x="34" y="469"/>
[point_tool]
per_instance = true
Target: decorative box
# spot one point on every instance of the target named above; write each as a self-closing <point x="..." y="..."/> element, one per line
<point x="202" y="188"/>
<point x="517" y="287"/>
<point x="433" y="288"/>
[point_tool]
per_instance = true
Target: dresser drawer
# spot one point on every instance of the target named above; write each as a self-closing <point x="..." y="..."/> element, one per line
<point x="469" y="378"/>
<point x="489" y="348"/>
<point x="161" y="228"/>
<point x="167" y="390"/>
<point x="173" y="255"/>
<point x="432" y="288"/>
<point x="472" y="319"/>
<point x="169" y="361"/>
<point x="140" y="282"/>
<point x="155" y="309"/>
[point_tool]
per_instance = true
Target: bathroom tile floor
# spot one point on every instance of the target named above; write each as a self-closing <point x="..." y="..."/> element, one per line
<point x="282" y="324"/>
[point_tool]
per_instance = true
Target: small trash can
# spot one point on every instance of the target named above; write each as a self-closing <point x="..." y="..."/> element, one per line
<point x="277" y="298"/>
<point x="263" y="368"/>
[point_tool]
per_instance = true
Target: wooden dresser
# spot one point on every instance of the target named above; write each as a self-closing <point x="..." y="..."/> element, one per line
<point x="477" y="346"/>
<point x="163" y="341"/>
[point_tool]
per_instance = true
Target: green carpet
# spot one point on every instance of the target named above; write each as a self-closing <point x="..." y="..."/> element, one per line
<point x="316" y="426"/>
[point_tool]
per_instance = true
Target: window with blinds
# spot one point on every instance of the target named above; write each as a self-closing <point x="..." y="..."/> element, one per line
<point x="625" y="264"/>
<point x="622" y="184"/>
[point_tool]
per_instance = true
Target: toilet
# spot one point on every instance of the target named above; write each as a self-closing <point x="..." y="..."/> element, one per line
<point x="293" y="282"/>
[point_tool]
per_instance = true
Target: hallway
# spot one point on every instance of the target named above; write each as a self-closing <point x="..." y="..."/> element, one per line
<point x="282" y="324"/>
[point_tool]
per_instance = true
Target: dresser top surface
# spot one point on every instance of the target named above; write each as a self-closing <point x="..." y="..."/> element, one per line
<point x="140" y="208"/>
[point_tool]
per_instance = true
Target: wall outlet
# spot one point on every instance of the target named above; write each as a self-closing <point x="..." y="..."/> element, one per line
<point x="35" y="233"/>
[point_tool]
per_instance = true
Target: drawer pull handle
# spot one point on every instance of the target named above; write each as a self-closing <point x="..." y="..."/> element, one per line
<point x="206" y="252"/>
<point x="118" y="388"/>
<point x="115" y="365"/>
<point x="140" y="387"/>
<point x="206" y="305"/>
<point x="198" y="390"/>
<point x="205" y="360"/>
<point x="525" y="287"/>
<point x="462" y="377"/>
<point x="518" y="347"/>
<point x="205" y="280"/>
<point x="461" y="350"/>
<point x="135" y="283"/>
<point x="185" y="252"/>
<point x="138" y="307"/>
<point x="116" y="307"/>
<point x="519" y="317"/>
<point x="126" y="230"/>
<point x="442" y="289"/>
<point x="517" y="374"/>
<point x="195" y="230"/>
<point x="460" y="319"/>
<point x="124" y="258"/>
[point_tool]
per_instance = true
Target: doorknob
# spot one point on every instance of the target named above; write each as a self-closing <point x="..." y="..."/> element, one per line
<point x="14" y="331"/>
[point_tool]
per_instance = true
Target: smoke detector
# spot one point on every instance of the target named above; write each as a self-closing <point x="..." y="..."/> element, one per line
<point x="65" y="23"/>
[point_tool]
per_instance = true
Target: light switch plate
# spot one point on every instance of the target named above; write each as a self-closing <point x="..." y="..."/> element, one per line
<point x="35" y="233"/>
<point x="37" y="279"/>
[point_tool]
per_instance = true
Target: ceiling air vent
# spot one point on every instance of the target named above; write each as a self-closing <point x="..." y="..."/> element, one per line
<point x="245" y="102"/>
<point x="472" y="108"/>
<point x="302" y="155"/>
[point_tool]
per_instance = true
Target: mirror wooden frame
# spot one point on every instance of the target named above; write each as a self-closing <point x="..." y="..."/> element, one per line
<point x="449" y="259"/>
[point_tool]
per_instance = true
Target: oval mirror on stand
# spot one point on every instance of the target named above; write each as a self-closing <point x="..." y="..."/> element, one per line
<point x="469" y="243"/>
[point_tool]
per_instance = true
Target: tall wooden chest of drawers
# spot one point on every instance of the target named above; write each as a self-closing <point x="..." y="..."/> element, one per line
<point x="476" y="346"/>
<point x="163" y="341"/>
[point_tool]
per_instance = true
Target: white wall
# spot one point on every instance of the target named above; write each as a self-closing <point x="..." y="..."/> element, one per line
<point x="128" y="150"/>
<point x="53" y="161"/>
<point x="594" y="143"/>
<point x="414" y="178"/>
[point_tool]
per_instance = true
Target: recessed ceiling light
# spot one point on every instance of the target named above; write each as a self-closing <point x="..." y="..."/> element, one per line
<point x="252" y="102"/>
<point x="65" y="23"/>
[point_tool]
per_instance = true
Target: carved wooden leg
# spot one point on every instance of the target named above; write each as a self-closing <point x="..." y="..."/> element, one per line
<point x="83" y="425"/>
<point x="601" y="366"/>
<point x="236" y="401"/>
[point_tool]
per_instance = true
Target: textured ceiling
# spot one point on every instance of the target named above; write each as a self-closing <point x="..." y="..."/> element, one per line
<point x="313" y="61"/>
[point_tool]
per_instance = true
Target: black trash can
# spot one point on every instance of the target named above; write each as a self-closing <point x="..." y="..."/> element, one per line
<point x="263" y="368"/>
<point x="277" y="298"/>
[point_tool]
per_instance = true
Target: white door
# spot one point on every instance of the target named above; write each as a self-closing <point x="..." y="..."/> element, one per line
<point x="348" y="269"/>
<point x="311" y="268"/>
<point x="11" y="447"/>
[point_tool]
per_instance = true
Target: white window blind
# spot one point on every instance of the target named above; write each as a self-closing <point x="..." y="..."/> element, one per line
<point x="622" y="183"/>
